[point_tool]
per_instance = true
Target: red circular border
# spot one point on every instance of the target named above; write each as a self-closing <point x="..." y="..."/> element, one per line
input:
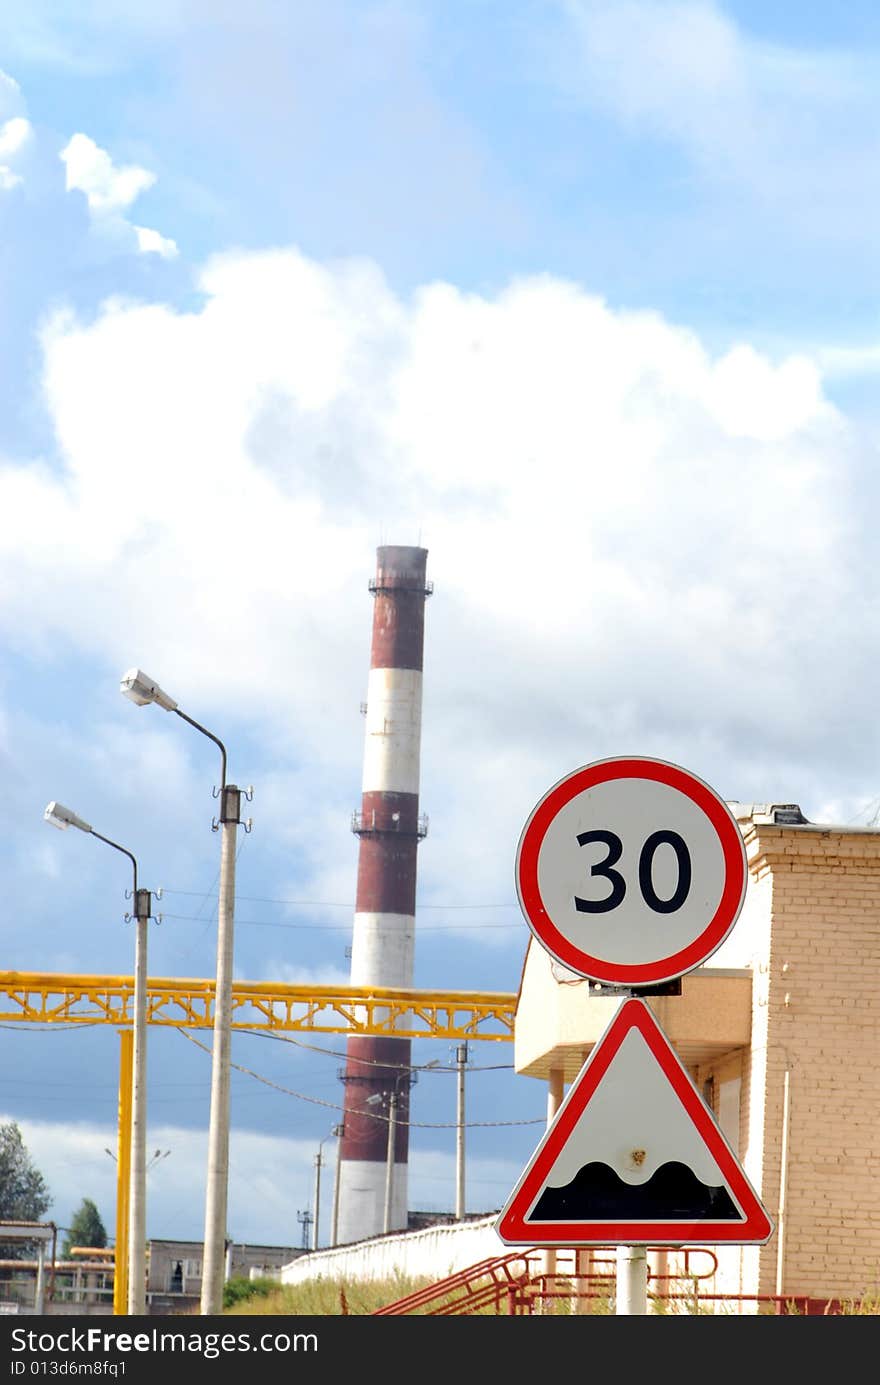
<point x="642" y="973"/>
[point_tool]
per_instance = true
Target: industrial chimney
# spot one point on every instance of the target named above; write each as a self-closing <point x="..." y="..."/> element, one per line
<point x="372" y="1193"/>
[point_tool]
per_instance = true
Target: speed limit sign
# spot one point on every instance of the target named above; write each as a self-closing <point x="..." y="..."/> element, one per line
<point x="631" y="871"/>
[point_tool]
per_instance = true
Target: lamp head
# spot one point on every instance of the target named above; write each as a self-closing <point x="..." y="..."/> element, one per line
<point x="62" y="817"/>
<point x="142" y="689"/>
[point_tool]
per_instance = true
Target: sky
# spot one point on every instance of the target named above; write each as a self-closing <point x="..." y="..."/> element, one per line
<point x="581" y="297"/>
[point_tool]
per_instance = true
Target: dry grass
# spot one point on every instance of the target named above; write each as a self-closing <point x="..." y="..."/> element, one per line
<point x="337" y="1297"/>
<point x="328" y="1297"/>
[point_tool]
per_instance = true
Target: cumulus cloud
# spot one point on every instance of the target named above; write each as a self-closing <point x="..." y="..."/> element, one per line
<point x="74" y="1160"/>
<point x="110" y="190"/>
<point x="151" y="242"/>
<point x="15" y="133"/>
<point x="271" y="1177"/>
<point x="91" y="170"/>
<point x="638" y="544"/>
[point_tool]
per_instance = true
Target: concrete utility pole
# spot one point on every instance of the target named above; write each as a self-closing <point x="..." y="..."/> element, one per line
<point x="393" y="1098"/>
<point x="62" y="817"/>
<point x="319" y="1162"/>
<point x="334" y="1223"/>
<point x="214" y="1259"/>
<point x="143" y="690"/>
<point x="461" y="1056"/>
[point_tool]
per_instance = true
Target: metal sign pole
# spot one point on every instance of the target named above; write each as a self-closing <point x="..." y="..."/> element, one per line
<point x="632" y="1281"/>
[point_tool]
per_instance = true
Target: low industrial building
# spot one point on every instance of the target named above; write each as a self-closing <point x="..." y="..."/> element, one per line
<point x="84" y="1283"/>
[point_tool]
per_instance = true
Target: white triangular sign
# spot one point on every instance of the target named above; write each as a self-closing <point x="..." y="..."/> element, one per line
<point x="634" y="1156"/>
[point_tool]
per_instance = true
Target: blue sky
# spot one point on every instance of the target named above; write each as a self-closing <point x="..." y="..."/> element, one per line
<point x="580" y="296"/>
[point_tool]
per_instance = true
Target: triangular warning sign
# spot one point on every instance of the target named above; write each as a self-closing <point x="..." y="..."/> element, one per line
<point x="634" y="1156"/>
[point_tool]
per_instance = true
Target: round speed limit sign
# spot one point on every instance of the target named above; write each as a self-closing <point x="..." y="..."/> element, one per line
<point x="631" y="871"/>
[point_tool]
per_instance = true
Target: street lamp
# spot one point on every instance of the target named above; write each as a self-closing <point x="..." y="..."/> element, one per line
<point x="142" y="689"/>
<point x="62" y="817"/>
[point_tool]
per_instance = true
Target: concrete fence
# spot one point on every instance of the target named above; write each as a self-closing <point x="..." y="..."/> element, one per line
<point x="435" y="1252"/>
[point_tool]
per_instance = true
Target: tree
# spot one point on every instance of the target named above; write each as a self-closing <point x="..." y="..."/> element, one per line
<point x="86" y="1228"/>
<point x="24" y="1193"/>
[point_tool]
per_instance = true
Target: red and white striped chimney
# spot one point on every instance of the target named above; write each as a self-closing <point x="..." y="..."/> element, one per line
<point x="378" y="1069"/>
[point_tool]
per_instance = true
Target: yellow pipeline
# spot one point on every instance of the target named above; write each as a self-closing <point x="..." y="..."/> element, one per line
<point x="46" y="997"/>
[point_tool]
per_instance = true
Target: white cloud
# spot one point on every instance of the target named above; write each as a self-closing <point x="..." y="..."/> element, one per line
<point x="792" y="127"/>
<point x="110" y="190"/>
<point x="10" y="91"/>
<point x="151" y="243"/>
<point x="602" y="499"/>
<point x="291" y="975"/>
<point x="91" y="170"/>
<point x="270" y="1176"/>
<point x="15" y="134"/>
<point x="845" y="361"/>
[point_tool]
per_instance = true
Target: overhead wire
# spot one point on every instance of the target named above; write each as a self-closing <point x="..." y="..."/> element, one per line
<point x="375" y="1062"/>
<point x="334" y="1106"/>
<point x="332" y="903"/>
<point x="334" y="927"/>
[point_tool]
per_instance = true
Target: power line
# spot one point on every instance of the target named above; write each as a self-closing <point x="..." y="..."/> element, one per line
<point x="334" y="1106"/>
<point x="329" y="903"/>
<point x="375" y="1062"/>
<point x="335" y="927"/>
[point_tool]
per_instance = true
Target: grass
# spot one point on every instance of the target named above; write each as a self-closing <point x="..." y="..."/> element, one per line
<point x="338" y="1297"/>
<point x="324" y="1297"/>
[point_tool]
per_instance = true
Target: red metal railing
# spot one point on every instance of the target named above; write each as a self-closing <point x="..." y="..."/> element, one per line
<point x="515" y="1284"/>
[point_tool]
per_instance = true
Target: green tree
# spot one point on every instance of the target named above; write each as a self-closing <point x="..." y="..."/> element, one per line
<point x="86" y="1228"/>
<point x="24" y="1193"/>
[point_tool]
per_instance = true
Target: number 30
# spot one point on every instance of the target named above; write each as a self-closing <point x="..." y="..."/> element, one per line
<point x="646" y="865"/>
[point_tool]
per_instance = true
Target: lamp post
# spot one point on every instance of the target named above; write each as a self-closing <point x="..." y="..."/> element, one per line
<point x="62" y="817"/>
<point x="142" y="689"/>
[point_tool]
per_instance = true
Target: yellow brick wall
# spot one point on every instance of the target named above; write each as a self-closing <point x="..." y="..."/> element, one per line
<point x="816" y="1013"/>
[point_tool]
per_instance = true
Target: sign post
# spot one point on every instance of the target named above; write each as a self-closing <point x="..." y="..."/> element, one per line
<point x="631" y="872"/>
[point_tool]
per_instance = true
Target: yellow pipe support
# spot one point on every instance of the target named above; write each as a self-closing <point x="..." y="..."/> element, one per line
<point x="123" y="1171"/>
<point x="46" y="997"/>
<point x="66" y="998"/>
